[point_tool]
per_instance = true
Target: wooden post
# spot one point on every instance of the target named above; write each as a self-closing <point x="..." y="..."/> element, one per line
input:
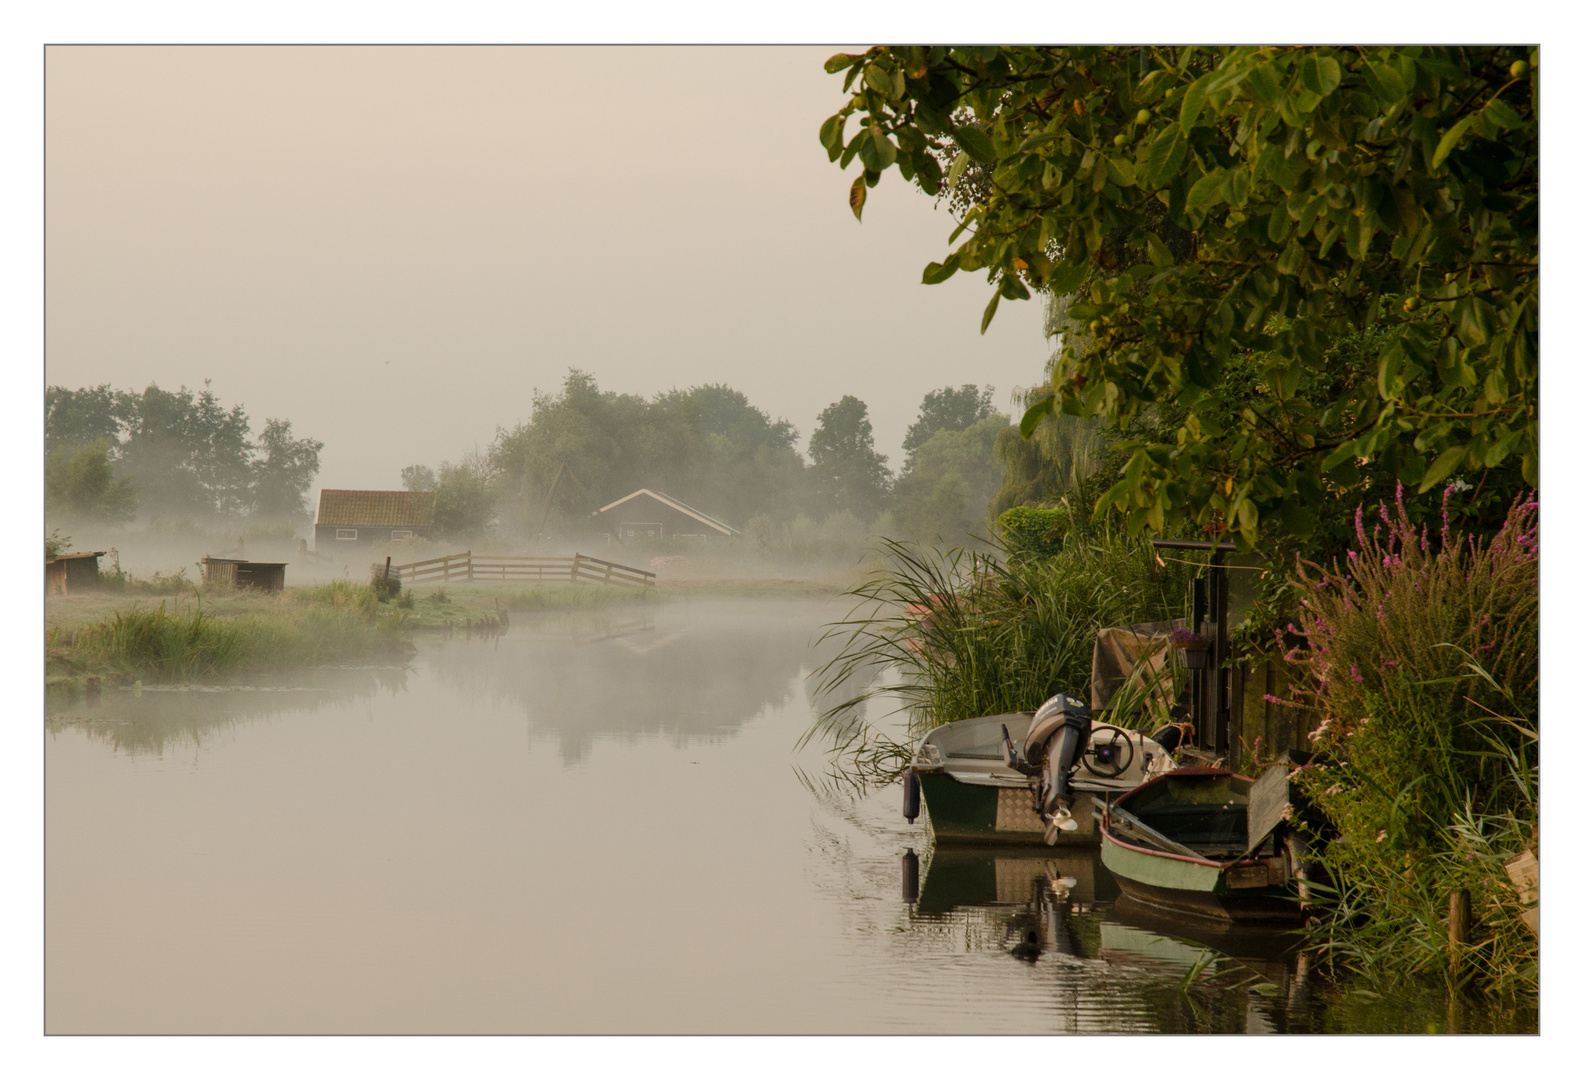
<point x="470" y="570"/>
<point x="1458" y="919"/>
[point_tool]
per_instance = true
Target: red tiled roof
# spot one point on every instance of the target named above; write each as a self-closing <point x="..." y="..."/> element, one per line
<point x="376" y="509"/>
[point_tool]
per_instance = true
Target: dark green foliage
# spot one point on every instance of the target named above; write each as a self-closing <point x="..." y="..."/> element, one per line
<point x="80" y="484"/>
<point x="1033" y="532"/>
<point x="1223" y="219"/>
<point x="948" y="482"/>
<point x="418" y="478"/>
<point x="706" y="446"/>
<point x="284" y="472"/>
<point x="947" y="409"/>
<point x="465" y="498"/>
<point x="181" y="455"/>
<point x="845" y="471"/>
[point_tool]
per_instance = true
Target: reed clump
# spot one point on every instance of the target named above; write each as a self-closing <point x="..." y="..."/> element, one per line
<point x="964" y="633"/>
<point x="1421" y="662"/>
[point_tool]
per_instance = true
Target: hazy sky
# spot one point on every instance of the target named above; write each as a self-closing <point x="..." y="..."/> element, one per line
<point x="393" y="247"/>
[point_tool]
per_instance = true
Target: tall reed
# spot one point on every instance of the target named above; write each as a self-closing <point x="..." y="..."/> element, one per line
<point x="954" y="634"/>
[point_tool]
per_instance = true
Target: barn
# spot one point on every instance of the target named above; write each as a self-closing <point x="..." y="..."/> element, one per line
<point x="647" y="513"/>
<point x="371" y="517"/>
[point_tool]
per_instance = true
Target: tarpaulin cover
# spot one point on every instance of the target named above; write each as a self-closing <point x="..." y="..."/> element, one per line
<point x="1121" y="650"/>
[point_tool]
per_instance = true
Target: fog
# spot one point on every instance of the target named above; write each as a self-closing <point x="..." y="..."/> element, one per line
<point x="394" y="247"/>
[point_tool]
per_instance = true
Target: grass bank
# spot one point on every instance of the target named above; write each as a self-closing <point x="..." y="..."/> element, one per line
<point x="184" y="639"/>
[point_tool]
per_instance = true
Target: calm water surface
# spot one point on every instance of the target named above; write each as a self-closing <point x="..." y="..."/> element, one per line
<point x="588" y="824"/>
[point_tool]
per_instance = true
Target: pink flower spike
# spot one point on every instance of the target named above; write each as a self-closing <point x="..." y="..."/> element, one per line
<point x="1356" y="676"/>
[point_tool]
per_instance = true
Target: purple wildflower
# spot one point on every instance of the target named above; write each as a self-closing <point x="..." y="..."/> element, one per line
<point x="1356" y="676"/>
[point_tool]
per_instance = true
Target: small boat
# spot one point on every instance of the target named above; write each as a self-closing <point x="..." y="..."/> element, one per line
<point x="978" y="787"/>
<point x="1181" y="843"/>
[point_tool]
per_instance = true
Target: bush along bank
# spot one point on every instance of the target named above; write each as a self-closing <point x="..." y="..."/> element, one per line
<point x="1421" y="659"/>
<point x="181" y="642"/>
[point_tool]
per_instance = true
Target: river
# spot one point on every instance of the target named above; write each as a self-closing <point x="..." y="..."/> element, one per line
<point x="591" y="823"/>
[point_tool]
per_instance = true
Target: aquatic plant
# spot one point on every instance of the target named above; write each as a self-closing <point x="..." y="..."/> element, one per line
<point x="1420" y="654"/>
<point x="951" y="634"/>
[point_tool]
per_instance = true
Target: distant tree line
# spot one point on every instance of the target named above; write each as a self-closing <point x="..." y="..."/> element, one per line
<point x="112" y="455"/>
<point x="584" y="447"/>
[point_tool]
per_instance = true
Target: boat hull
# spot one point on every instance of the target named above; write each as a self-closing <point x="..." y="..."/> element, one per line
<point x="961" y="813"/>
<point x="1198" y="892"/>
<point x="1221" y="887"/>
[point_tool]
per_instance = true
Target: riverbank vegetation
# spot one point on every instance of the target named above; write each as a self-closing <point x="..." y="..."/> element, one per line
<point x="184" y="640"/>
<point x="1283" y="284"/>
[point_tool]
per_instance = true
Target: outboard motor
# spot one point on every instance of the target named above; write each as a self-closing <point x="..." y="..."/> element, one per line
<point x="1057" y="736"/>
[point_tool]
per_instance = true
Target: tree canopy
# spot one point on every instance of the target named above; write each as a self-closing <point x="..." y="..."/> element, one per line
<point x="174" y="454"/>
<point x="1286" y="264"/>
<point x="847" y="473"/>
<point x="947" y="409"/>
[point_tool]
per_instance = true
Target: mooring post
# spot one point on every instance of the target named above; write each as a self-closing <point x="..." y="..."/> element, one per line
<point x="1458" y="919"/>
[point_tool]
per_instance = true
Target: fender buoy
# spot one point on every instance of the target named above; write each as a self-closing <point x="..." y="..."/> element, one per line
<point x="910" y="877"/>
<point x="910" y="794"/>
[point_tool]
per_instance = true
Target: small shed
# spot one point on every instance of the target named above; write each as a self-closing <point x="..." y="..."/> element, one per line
<point x="651" y="513"/>
<point x="264" y="576"/>
<point x="349" y="517"/>
<point x="77" y="572"/>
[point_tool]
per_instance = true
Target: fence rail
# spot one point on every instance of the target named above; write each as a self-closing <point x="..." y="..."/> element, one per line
<point x="467" y="566"/>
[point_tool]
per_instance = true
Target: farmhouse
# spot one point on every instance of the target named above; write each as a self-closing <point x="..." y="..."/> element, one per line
<point x="369" y="517"/>
<point x="650" y="513"/>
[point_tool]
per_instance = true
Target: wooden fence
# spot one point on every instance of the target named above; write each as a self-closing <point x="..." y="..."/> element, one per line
<point x="521" y="568"/>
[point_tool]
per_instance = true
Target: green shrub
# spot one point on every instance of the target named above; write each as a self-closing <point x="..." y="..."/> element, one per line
<point x="1034" y="531"/>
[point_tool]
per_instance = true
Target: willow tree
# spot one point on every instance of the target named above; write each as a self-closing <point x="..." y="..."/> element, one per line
<point x="1222" y="219"/>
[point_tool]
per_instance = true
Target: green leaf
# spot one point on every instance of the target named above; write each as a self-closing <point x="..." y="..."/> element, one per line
<point x="1384" y="82"/>
<point x="1330" y="75"/>
<point x="1235" y="187"/>
<point x="1037" y="140"/>
<point x="1502" y="115"/>
<point x="1441" y="468"/>
<point x="976" y="142"/>
<point x="1159" y="254"/>
<point x="1267" y="83"/>
<point x="830" y="135"/>
<point x="989" y="312"/>
<point x="1120" y="172"/>
<point x="1450" y="140"/>
<point x="959" y="163"/>
<point x="1035" y="413"/>
<point x="1166" y="155"/>
<point x="1193" y="100"/>
<point x="884" y="149"/>
<point x="1066" y="277"/>
<point x="842" y="60"/>
<point x="1206" y="193"/>
<point x="935" y="273"/>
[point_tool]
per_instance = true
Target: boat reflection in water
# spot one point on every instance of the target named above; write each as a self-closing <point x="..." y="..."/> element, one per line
<point x="1062" y="912"/>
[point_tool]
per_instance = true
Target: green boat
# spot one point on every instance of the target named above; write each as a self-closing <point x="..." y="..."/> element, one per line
<point x="1181" y="843"/>
<point x="972" y="789"/>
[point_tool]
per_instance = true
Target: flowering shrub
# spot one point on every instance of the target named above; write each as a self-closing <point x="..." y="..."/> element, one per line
<point x="1421" y="662"/>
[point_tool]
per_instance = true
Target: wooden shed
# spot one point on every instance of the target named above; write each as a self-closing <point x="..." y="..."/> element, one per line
<point x="647" y="513"/>
<point x="349" y="517"/>
<point x="77" y="572"/>
<point x="264" y="576"/>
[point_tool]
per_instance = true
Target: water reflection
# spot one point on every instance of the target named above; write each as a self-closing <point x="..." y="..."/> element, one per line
<point x="156" y="719"/>
<point x="695" y="670"/>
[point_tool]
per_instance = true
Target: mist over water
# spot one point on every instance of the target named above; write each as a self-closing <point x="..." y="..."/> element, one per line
<point x="590" y="823"/>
